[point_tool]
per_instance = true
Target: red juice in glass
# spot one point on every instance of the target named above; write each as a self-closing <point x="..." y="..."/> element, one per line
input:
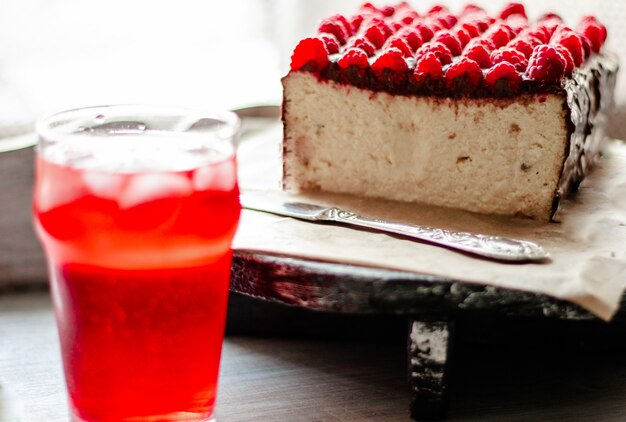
<point x="137" y="236"/>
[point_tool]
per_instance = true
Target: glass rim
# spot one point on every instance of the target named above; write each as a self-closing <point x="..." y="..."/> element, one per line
<point x="45" y="130"/>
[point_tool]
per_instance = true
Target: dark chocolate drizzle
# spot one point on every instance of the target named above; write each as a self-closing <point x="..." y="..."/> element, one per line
<point x="589" y="98"/>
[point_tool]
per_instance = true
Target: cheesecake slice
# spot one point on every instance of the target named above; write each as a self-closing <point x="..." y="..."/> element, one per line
<point x="495" y="115"/>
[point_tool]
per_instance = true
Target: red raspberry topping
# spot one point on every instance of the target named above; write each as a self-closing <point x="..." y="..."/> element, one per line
<point x="335" y="28"/>
<point x="472" y="9"/>
<point x="471" y="29"/>
<point x="407" y="17"/>
<point x="510" y="55"/>
<point x="363" y="44"/>
<point x="586" y="46"/>
<point x="428" y="66"/>
<point x="356" y="22"/>
<point x="522" y="46"/>
<point x="500" y="35"/>
<point x="464" y="68"/>
<point x="369" y="7"/>
<point x="400" y="44"/>
<point x="354" y="57"/>
<point x="479" y="54"/>
<point x="505" y="71"/>
<point x="425" y="31"/>
<point x="382" y="25"/>
<point x="450" y="20"/>
<point x="412" y="38"/>
<point x="549" y="16"/>
<point x="438" y="9"/>
<point x="517" y="23"/>
<point x="438" y="49"/>
<point x="463" y="36"/>
<point x="546" y="64"/>
<point x="488" y="44"/>
<point x="569" y="61"/>
<point x="331" y="42"/>
<point x="573" y="42"/>
<point x="513" y="9"/>
<point x="540" y="33"/>
<point x="391" y="59"/>
<point x="388" y="11"/>
<point x="375" y="35"/>
<point x="347" y="26"/>
<point x="311" y="51"/>
<point x="594" y="31"/>
<point x="450" y="41"/>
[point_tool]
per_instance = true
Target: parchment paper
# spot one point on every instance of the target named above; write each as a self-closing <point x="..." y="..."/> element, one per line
<point x="588" y="248"/>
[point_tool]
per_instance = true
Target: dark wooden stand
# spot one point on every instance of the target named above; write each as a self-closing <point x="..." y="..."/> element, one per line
<point x="433" y="306"/>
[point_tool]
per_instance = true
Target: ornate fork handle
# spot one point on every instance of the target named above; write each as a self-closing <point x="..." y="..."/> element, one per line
<point x="494" y="247"/>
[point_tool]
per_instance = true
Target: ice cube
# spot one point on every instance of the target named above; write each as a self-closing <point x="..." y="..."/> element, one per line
<point x="104" y="185"/>
<point x="220" y="176"/>
<point x="148" y="187"/>
<point x="54" y="192"/>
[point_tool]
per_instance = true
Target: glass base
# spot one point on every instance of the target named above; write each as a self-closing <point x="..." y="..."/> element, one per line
<point x="171" y="417"/>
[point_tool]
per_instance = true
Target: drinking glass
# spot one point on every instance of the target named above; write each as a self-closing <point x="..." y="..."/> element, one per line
<point x="136" y="208"/>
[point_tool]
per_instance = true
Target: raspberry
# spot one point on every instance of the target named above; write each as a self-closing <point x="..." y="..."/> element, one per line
<point x="330" y="41"/>
<point x="482" y="24"/>
<point x="510" y="55"/>
<point x="517" y="23"/>
<point x="425" y="31"/>
<point x="488" y="44"/>
<point x="347" y="26"/>
<point x="471" y="29"/>
<point x="438" y="49"/>
<point x="586" y="46"/>
<point x="435" y="25"/>
<point x="391" y="59"/>
<point x="464" y="68"/>
<point x="479" y="54"/>
<point x="395" y="26"/>
<point x="400" y="44"/>
<point x="375" y="35"/>
<point x="463" y="36"/>
<point x="450" y="20"/>
<point x="471" y="9"/>
<point x="356" y="22"/>
<point x="382" y="25"/>
<point x="540" y="33"/>
<point x="334" y="28"/>
<point x="499" y="35"/>
<point x="354" y="57"/>
<point x="412" y="38"/>
<point x="569" y="66"/>
<point x="594" y="31"/>
<point x="513" y="9"/>
<point x="438" y="9"/>
<point x="310" y="51"/>
<point x="522" y="46"/>
<point x="548" y="16"/>
<point x="407" y="18"/>
<point x="504" y="71"/>
<point x="363" y="44"/>
<point x="574" y="44"/>
<point x="369" y="7"/>
<point x="450" y="41"/>
<point x="550" y="26"/>
<point x="546" y="64"/>
<point x="388" y="11"/>
<point x="428" y="66"/>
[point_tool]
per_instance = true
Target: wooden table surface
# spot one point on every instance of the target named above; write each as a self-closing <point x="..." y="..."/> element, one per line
<point x="556" y="373"/>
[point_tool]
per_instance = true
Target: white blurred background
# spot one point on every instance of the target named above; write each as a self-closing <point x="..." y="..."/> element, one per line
<point x="56" y="54"/>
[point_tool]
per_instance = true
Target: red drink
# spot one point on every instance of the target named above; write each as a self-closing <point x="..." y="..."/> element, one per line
<point x="140" y="265"/>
